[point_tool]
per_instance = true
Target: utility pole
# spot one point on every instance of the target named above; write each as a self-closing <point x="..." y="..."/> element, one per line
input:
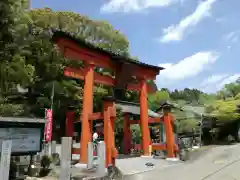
<point x="29" y="4"/>
<point x="201" y="126"/>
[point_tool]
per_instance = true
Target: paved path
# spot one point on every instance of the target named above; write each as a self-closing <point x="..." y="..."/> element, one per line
<point x="219" y="163"/>
<point x="138" y="165"/>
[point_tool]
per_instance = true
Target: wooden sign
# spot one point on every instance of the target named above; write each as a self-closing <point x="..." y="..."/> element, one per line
<point x="5" y="159"/>
<point x="66" y="157"/>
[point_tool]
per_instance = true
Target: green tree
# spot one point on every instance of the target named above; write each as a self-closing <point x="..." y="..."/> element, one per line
<point x="205" y="99"/>
<point x="28" y="58"/>
<point x="99" y="33"/>
<point x="156" y="98"/>
<point x="13" y="67"/>
<point x="225" y="107"/>
<point x="232" y="89"/>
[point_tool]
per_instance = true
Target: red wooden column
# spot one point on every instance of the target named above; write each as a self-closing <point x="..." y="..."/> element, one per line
<point x="127" y="135"/>
<point x="144" y="118"/>
<point x="91" y="111"/>
<point x="109" y="120"/>
<point x="107" y="129"/>
<point x="114" y="151"/>
<point x="169" y="133"/>
<point x="69" y="124"/>
<point x="87" y="105"/>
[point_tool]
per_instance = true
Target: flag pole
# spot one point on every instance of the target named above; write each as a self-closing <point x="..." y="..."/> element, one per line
<point x="52" y="96"/>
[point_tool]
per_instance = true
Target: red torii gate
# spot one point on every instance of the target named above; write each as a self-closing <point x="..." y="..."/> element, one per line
<point x="95" y="57"/>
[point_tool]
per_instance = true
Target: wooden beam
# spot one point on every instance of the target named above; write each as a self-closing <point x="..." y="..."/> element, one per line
<point x="74" y="73"/>
<point x="80" y="74"/>
<point x="176" y="147"/>
<point x="133" y="122"/>
<point x="93" y="117"/>
<point x="158" y="146"/>
<point x="99" y="116"/>
<point x="136" y="87"/>
<point x="137" y="147"/>
<point x="154" y="120"/>
<point x="96" y="116"/>
<point x="101" y="79"/>
<point x="74" y="51"/>
<point x="75" y="150"/>
<point x="146" y="73"/>
<point x="150" y="121"/>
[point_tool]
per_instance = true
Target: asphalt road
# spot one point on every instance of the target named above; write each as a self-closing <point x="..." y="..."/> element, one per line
<point x="217" y="163"/>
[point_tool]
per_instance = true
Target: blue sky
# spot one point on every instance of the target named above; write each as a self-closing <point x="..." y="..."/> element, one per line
<point x="197" y="41"/>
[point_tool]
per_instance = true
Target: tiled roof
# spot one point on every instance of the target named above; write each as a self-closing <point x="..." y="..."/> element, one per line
<point x="133" y="108"/>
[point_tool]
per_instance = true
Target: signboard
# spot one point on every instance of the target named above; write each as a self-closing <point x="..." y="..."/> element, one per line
<point x="48" y="125"/>
<point x="5" y="159"/>
<point x="24" y="140"/>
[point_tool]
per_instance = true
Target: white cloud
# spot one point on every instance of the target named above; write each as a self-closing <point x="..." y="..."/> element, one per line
<point x="186" y="68"/>
<point x="232" y="36"/>
<point x="221" y="20"/>
<point x="209" y="84"/>
<point x="217" y="82"/>
<point x="228" y="80"/>
<point x="135" y="5"/>
<point x="213" y="79"/>
<point x="177" y="32"/>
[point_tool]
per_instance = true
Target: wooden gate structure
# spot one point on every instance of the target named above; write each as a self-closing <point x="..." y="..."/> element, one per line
<point x="127" y="74"/>
<point x="167" y="120"/>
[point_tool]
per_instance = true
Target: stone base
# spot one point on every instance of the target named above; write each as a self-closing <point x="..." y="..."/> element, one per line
<point x="172" y="159"/>
<point x="80" y="165"/>
<point x="101" y="172"/>
<point x="195" y="147"/>
<point x="146" y="156"/>
<point x="159" y="157"/>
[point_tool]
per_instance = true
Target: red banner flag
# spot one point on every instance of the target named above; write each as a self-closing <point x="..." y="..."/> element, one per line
<point x="48" y="125"/>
